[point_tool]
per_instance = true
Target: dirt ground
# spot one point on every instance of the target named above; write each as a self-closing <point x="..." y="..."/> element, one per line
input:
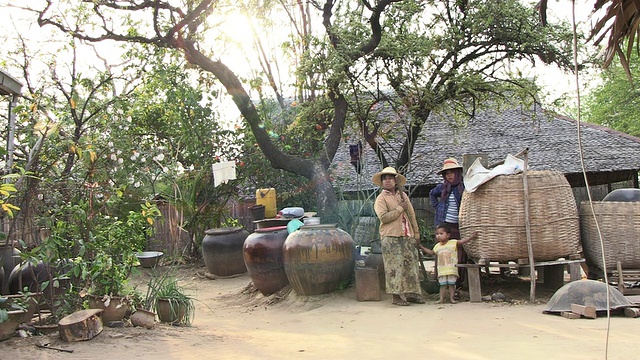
<point x="234" y="321"/>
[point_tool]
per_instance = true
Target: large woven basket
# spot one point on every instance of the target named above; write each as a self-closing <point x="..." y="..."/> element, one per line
<point x="496" y="210"/>
<point x="620" y="227"/>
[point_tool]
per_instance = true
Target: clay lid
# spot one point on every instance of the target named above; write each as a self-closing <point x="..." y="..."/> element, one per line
<point x="270" y="229"/>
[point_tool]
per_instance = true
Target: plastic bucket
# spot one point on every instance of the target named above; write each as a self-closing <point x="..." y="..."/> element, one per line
<point x="257" y="212"/>
<point x="267" y="197"/>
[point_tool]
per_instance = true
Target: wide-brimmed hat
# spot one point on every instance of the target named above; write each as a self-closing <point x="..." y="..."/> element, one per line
<point x="449" y="164"/>
<point x="400" y="179"/>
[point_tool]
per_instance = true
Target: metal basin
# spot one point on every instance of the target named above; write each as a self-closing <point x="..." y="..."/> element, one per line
<point x="149" y="259"/>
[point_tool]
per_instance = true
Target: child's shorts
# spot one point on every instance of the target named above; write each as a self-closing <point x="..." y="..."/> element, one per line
<point x="447" y="280"/>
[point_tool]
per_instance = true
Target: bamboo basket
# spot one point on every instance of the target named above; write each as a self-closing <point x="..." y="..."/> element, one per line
<point x="496" y="211"/>
<point x="620" y="227"/>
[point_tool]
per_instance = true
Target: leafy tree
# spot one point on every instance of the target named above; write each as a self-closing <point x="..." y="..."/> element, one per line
<point x="616" y="102"/>
<point x="428" y="52"/>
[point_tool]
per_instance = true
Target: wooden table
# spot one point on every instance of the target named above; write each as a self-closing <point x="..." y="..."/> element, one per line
<point x="553" y="273"/>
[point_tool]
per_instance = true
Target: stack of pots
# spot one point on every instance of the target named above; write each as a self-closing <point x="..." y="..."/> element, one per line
<point x="374" y="260"/>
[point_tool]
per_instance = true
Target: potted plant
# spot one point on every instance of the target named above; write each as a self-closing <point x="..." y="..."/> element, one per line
<point x="144" y="305"/>
<point x="172" y="303"/>
<point x="108" y="288"/>
<point x="113" y="246"/>
<point x="12" y="314"/>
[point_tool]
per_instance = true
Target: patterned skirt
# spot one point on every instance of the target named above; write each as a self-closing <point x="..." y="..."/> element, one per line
<point x="401" y="267"/>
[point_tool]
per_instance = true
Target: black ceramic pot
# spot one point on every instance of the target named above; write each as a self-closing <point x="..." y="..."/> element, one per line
<point x="222" y="251"/>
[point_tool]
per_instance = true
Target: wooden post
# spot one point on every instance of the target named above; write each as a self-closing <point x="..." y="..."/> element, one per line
<point x="532" y="292"/>
<point x="473" y="276"/>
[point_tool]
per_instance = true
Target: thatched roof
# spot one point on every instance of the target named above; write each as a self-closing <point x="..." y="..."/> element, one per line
<point x="552" y="140"/>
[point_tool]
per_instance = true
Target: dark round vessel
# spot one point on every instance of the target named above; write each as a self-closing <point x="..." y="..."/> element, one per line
<point x="222" y="251"/>
<point x="318" y="258"/>
<point x="264" y="260"/>
<point x="626" y="195"/>
<point x="375" y="261"/>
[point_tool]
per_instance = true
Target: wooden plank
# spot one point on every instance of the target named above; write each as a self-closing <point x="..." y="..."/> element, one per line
<point x="527" y="227"/>
<point x="475" y="292"/>
<point x="632" y="312"/>
<point x="620" y="278"/>
<point x="574" y="272"/>
<point x="584" y="310"/>
<point x="558" y="262"/>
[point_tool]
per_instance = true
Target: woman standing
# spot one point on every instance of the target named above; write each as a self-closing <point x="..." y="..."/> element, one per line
<point x="400" y="236"/>
<point x="445" y="199"/>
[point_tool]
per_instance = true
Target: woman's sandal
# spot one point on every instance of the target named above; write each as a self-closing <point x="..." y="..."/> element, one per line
<point x="400" y="302"/>
<point x="415" y="300"/>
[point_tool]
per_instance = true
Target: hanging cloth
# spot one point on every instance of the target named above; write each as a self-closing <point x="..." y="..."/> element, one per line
<point x="223" y="172"/>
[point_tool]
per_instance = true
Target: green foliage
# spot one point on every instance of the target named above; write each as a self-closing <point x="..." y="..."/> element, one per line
<point x="616" y="102"/>
<point x="294" y="130"/>
<point x="12" y="304"/>
<point x="167" y="288"/>
<point x="7" y="190"/>
<point x="99" y="246"/>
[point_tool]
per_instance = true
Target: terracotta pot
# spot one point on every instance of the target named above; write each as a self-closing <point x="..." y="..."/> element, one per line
<point x="222" y="251"/>
<point x="115" y="310"/>
<point x="8" y="328"/>
<point x="143" y="318"/>
<point x="318" y="258"/>
<point x="170" y="312"/>
<point x="264" y="260"/>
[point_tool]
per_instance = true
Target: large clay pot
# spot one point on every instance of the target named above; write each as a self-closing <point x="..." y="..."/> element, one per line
<point x="222" y="251"/>
<point x="9" y="258"/>
<point x="264" y="259"/>
<point x="115" y="308"/>
<point x="318" y="258"/>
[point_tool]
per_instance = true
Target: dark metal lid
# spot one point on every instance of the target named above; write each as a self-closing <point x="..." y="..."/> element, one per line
<point x="223" y="230"/>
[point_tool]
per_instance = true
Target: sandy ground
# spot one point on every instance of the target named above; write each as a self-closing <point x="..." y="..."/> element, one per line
<point x="234" y="322"/>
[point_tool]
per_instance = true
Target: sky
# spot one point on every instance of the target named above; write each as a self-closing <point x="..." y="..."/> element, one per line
<point x="554" y="81"/>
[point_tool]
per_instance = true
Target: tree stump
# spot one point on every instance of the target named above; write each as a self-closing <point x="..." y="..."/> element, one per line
<point x="81" y="325"/>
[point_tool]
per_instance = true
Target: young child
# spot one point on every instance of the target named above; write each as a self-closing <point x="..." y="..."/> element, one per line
<point x="446" y="251"/>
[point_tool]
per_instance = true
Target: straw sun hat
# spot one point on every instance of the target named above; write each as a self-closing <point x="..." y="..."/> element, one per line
<point x="449" y="164"/>
<point x="400" y="179"/>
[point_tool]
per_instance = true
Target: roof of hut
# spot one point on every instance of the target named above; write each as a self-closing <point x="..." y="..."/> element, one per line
<point x="552" y="141"/>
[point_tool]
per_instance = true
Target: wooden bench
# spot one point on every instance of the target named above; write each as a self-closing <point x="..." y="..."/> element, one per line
<point x="553" y="274"/>
<point x="626" y="275"/>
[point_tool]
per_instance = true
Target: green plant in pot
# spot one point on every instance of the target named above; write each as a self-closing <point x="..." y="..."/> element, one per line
<point x="172" y="303"/>
<point x="113" y="247"/>
<point x="12" y="314"/>
<point x="144" y="303"/>
<point x="109" y="285"/>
